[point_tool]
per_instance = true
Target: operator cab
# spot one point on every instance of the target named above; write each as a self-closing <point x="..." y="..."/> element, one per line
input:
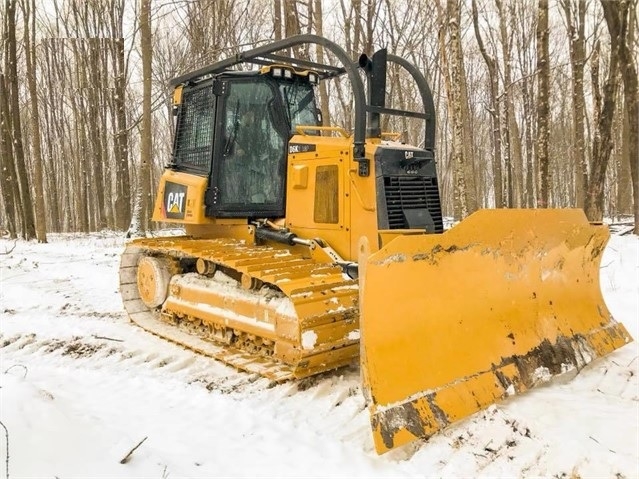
<point x="234" y="128"/>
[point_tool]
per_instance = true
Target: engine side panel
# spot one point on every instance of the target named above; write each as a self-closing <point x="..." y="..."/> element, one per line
<point x="180" y="199"/>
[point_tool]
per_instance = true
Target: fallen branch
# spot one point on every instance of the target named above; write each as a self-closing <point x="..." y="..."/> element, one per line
<point x="8" y="251"/>
<point x="108" y="339"/>
<point x="6" y="433"/>
<point x="18" y="366"/>
<point x="125" y="459"/>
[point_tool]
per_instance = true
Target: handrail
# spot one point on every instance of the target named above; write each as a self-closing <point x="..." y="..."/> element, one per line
<point x="301" y="129"/>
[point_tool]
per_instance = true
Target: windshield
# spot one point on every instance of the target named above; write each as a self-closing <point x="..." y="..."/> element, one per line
<point x="299" y="99"/>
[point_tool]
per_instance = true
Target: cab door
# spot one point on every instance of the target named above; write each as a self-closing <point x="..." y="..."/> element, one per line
<point x="249" y="168"/>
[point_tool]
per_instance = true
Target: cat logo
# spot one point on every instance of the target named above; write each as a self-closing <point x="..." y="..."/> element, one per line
<point x="174" y="204"/>
<point x="174" y="200"/>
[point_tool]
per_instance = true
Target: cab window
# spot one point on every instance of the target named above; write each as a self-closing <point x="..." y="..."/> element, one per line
<point x="299" y="99"/>
<point x="252" y="157"/>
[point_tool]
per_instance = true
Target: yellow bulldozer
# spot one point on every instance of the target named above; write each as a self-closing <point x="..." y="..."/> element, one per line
<point x="307" y="247"/>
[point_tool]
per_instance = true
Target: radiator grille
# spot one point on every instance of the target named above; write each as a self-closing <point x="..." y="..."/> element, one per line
<point x="411" y="192"/>
<point x="194" y="135"/>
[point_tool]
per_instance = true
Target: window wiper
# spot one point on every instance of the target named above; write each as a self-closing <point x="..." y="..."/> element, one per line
<point x="304" y="103"/>
<point x="287" y="108"/>
<point x="306" y="100"/>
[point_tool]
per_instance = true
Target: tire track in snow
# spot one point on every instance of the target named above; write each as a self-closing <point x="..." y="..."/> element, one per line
<point x="89" y="352"/>
<point x="92" y="353"/>
<point x="305" y="403"/>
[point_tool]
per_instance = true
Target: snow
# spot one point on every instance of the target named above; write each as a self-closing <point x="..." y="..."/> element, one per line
<point x="353" y="335"/>
<point x="80" y="387"/>
<point x="309" y="338"/>
<point x="541" y="375"/>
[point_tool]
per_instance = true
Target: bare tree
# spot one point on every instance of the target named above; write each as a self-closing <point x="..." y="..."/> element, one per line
<point x="72" y="76"/>
<point x="277" y="19"/>
<point x="122" y="203"/>
<point x="139" y="222"/>
<point x="29" y="13"/>
<point x="493" y="78"/>
<point x="28" y="222"/>
<point x="575" y="17"/>
<point x="8" y="182"/>
<point x="506" y="111"/>
<point x="628" y="68"/>
<point x="318" y="22"/>
<point x="543" y="111"/>
<point x="615" y="14"/>
<point x="465" y="194"/>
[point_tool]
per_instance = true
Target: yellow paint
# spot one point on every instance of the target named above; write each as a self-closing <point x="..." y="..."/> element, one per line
<point x="445" y="319"/>
<point x="299" y="177"/>
<point x="177" y="95"/>
<point x="356" y="196"/>
<point x="194" y="201"/>
<point x="496" y="286"/>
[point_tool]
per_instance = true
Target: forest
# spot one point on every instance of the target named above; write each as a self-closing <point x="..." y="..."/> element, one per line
<point x="537" y="102"/>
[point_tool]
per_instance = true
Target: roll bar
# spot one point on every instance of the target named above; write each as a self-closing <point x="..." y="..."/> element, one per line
<point x="265" y="55"/>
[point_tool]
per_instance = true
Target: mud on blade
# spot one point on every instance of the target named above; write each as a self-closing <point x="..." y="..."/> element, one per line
<point x="453" y="323"/>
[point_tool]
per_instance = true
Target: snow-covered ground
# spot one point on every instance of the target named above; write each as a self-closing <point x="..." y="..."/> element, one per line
<point x="80" y="387"/>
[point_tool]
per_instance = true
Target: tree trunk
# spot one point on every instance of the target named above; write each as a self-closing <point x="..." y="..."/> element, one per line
<point x="29" y="38"/>
<point x="493" y="78"/>
<point x="121" y="142"/>
<point x="28" y="221"/>
<point x="576" y="25"/>
<point x="8" y="182"/>
<point x="631" y="98"/>
<point x="292" y="26"/>
<point x="96" y="83"/>
<point x="527" y="87"/>
<point x="614" y="14"/>
<point x="139" y="222"/>
<point x="466" y="198"/>
<point x="543" y="98"/>
<point x="50" y="127"/>
<point x="505" y="110"/>
<point x="323" y="87"/>
<point x="277" y="19"/>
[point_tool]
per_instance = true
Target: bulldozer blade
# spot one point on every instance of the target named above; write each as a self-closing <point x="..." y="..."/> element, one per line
<point x="500" y="303"/>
